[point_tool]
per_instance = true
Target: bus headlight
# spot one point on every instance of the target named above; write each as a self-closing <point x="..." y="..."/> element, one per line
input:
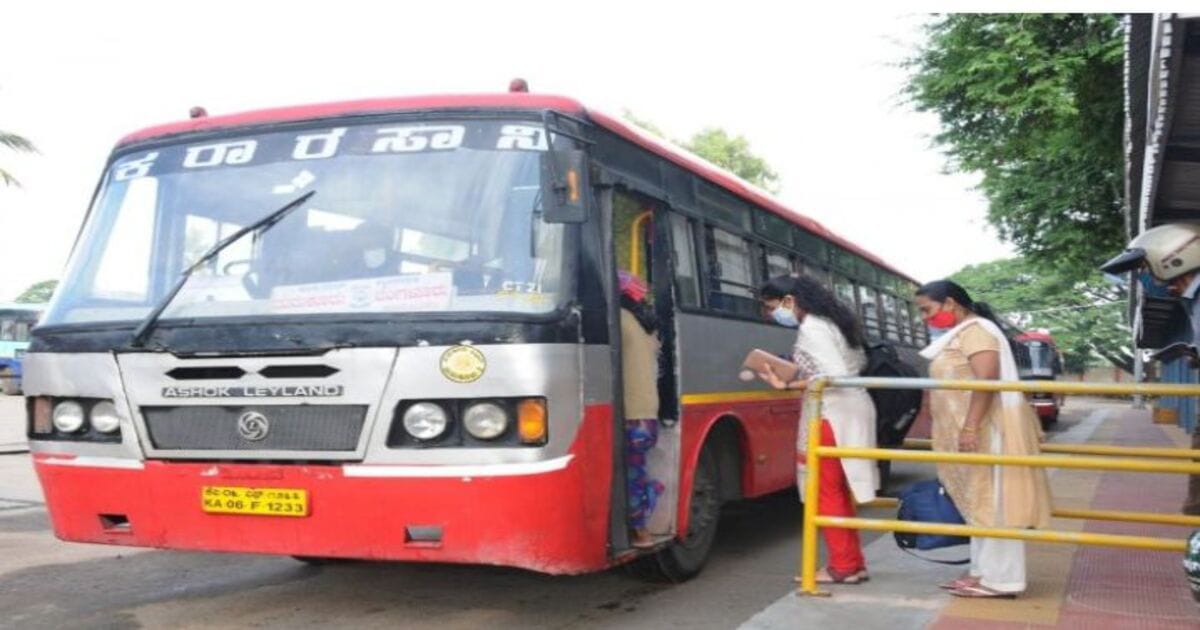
<point x="486" y="420"/>
<point x="68" y="416"/>
<point x="105" y="418"/>
<point x="425" y="421"/>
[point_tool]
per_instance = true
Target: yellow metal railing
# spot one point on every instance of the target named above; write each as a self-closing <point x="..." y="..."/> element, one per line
<point x="1082" y="456"/>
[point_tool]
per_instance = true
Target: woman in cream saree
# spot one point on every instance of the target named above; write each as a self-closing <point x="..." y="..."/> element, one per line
<point x="969" y="345"/>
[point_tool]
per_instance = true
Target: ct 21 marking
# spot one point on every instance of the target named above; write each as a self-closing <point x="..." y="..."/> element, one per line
<point x="262" y="391"/>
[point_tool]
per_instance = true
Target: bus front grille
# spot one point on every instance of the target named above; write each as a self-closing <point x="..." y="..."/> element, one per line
<point x="256" y="428"/>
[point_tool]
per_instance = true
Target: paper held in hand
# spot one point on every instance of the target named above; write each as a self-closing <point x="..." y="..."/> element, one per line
<point x="757" y="361"/>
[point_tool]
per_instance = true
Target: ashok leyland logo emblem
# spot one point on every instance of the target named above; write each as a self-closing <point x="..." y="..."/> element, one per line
<point x="253" y="426"/>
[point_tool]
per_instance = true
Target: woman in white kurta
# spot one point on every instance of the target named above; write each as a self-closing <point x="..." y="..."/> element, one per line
<point x="829" y="342"/>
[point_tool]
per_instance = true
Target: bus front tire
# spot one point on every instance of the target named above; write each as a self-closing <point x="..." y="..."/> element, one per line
<point x="684" y="558"/>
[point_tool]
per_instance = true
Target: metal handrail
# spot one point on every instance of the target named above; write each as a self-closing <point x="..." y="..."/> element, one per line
<point x="1089" y="458"/>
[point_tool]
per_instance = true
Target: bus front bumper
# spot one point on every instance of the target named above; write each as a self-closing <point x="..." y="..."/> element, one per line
<point x="548" y="516"/>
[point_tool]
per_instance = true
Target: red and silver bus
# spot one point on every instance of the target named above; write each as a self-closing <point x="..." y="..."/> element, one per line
<point x="1040" y="360"/>
<point x="388" y="329"/>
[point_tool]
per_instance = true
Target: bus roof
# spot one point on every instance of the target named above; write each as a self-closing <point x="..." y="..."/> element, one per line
<point x="1036" y="336"/>
<point x="514" y="101"/>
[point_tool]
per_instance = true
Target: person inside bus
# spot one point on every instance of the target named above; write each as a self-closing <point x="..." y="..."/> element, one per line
<point x="639" y="369"/>
<point x="968" y="343"/>
<point x="829" y="341"/>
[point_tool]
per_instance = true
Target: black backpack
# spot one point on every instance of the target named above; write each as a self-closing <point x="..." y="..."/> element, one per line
<point x="895" y="409"/>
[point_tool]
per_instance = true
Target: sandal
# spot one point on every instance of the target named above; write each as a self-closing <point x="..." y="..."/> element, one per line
<point x="861" y="574"/>
<point x="980" y="591"/>
<point x="961" y="581"/>
<point x="829" y="575"/>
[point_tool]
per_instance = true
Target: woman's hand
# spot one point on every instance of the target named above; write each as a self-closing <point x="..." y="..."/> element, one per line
<point x="968" y="439"/>
<point x="772" y="379"/>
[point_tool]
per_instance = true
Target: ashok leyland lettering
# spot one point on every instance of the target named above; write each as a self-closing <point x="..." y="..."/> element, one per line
<point x="389" y="330"/>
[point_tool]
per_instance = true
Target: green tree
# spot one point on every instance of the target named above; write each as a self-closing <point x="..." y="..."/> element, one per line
<point x="716" y="145"/>
<point x="733" y="153"/>
<point x="1033" y="103"/>
<point x="38" y="293"/>
<point x="15" y="143"/>
<point x="644" y="124"/>
<point x="1087" y="318"/>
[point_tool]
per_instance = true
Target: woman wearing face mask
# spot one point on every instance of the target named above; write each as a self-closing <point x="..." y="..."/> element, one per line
<point x="829" y="341"/>
<point x="969" y="344"/>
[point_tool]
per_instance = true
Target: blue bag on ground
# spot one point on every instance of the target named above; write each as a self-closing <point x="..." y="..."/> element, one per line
<point x="927" y="502"/>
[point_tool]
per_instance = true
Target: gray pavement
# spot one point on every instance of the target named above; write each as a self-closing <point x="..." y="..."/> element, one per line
<point x="12" y="423"/>
<point x="901" y="594"/>
<point x="46" y="583"/>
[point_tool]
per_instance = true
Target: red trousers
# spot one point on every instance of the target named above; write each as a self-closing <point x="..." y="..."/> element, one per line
<point x="835" y="499"/>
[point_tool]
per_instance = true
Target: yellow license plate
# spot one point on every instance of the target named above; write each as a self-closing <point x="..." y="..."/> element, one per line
<point x="261" y="501"/>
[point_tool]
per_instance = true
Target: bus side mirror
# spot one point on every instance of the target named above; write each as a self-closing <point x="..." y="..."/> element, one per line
<point x="564" y="186"/>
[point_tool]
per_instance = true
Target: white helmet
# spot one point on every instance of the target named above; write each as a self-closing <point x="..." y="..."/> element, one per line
<point x="1168" y="251"/>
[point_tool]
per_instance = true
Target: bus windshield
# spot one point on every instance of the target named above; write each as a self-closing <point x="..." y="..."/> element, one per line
<point x="1042" y="360"/>
<point x="435" y="217"/>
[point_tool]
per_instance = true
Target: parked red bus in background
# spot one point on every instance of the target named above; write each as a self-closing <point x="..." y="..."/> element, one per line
<point x="1041" y="361"/>
<point x="396" y="337"/>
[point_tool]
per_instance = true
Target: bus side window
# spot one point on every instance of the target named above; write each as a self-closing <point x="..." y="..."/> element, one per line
<point x="734" y="272"/>
<point x="892" y="324"/>
<point x="815" y="272"/>
<point x="731" y="274"/>
<point x="904" y="321"/>
<point x="778" y="264"/>
<point x="920" y="332"/>
<point x="683" y="244"/>
<point x="870" y="310"/>
<point x="844" y="290"/>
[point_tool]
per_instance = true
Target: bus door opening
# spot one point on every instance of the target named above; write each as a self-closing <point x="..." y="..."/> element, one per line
<point x="648" y="380"/>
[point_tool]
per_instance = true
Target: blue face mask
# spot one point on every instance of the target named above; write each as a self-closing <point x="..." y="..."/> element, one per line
<point x="785" y="316"/>
<point x="936" y="333"/>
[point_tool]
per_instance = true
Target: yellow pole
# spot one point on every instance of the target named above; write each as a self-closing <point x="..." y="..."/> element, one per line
<point x="1181" y="520"/>
<point x="635" y="244"/>
<point x="808" y="545"/>
<point x="1036" y="461"/>
<point x="1037" y="535"/>
<point x="1156" y="518"/>
<point x="1051" y="387"/>
<point x="1090" y="449"/>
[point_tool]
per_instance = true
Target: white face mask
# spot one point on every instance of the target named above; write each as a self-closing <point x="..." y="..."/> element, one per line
<point x="785" y="316"/>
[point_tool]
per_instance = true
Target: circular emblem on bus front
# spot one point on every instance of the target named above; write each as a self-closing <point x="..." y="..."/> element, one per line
<point x="253" y="426"/>
<point x="463" y="364"/>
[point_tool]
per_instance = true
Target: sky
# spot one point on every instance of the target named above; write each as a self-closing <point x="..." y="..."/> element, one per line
<point x="817" y="95"/>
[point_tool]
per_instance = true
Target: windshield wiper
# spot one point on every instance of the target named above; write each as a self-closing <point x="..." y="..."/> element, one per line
<point x="143" y="331"/>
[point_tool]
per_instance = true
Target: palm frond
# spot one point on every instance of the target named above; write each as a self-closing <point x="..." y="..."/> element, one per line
<point x="6" y="179"/>
<point x="16" y="143"/>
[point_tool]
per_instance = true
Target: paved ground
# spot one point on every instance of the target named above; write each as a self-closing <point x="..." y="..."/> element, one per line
<point x="1069" y="586"/>
<point x="45" y="583"/>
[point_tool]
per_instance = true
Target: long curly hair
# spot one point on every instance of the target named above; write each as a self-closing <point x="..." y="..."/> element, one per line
<point x="813" y="297"/>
